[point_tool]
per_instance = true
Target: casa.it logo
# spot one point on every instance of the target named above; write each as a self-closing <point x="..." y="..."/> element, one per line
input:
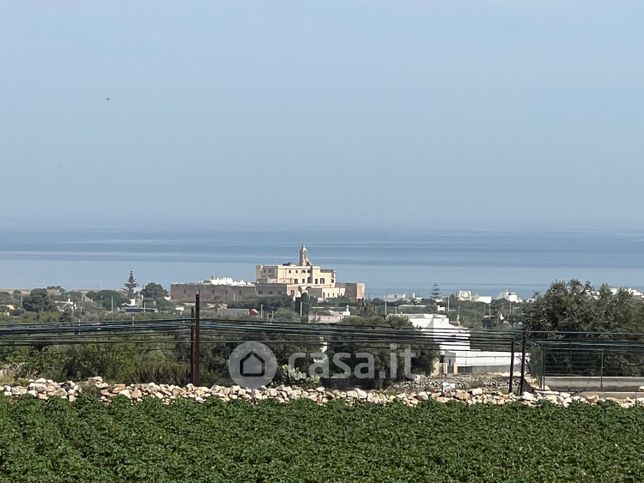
<point x="252" y="365"/>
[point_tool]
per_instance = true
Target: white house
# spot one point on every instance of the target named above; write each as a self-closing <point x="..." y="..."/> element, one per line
<point x="509" y="296"/>
<point x="486" y="299"/>
<point x="464" y="295"/>
<point x="331" y="316"/>
<point x="469" y="296"/>
<point x="454" y="344"/>
<point x="395" y="297"/>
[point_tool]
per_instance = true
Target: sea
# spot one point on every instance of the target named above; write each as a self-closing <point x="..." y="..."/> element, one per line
<point x="389" y="261"/>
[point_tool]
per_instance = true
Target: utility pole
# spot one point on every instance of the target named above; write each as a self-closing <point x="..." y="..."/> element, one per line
<point x="195" y="333"/>
<point x="198" y="335"/>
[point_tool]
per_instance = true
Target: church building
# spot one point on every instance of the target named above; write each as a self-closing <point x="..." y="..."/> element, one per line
<point x="304" y="277"/>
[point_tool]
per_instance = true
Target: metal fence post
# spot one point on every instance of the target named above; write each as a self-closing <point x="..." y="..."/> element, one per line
<point x="601" y="372"/>
<point x="542" y="368"/>
<point x="196" y="332"/>
<point x="511" y="366"/>
<point x="522" y="363"/>
<point x="192" y="352"/>
<point x="192" y="344"/>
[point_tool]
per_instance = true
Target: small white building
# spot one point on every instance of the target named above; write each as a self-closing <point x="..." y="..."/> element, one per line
<point x="330" y="316"/>
<point x="630" y="291"/>
<point x="457" y="355"/>
<point x="486" y="299"/>
<point x="396" y="297"/>
<point x="509" y="296"/>
<point x="469" y="296"/>
<point x="226" y="281"/>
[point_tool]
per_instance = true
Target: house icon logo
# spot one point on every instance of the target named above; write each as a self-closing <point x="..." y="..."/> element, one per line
<point x="252" y="365"/>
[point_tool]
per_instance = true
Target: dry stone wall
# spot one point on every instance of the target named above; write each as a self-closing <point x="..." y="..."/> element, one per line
<point x="45" y="389"/>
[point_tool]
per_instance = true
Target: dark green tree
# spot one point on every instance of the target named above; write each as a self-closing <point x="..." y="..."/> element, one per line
<point x="269" y="303"/>
<point x="286" y="315"/>
<point x="574" y="306"/>
<point x="502" y="313"/>
<point x="67" y="315"/>
<point x="578" y="311"/>
<point x="382" y="350"/>
<point x="436" y="292"/>
<point x="38" y="301"/>
<point x="369" y="308"/>
<point x="6" y="298"/>
<point x="154" y="291"/>
<point x="154" y="294"/>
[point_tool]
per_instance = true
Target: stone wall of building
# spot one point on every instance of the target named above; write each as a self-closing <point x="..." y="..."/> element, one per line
<point x="271" y="289"/>
<point x="353" y="291"/>
<point x="185" y="292"/>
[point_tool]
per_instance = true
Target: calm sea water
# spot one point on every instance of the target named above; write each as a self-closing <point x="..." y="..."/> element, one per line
<point x="387" y="260"/>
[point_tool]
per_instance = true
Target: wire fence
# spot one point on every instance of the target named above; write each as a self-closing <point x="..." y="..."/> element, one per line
<point x="175" y="351"/>
<point x="588" y="361"/>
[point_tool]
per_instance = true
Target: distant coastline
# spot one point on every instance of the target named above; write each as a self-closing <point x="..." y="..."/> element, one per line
<point x="391" y="261"/>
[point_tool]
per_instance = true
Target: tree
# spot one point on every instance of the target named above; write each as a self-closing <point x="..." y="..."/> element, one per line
<point x="381" y="351"/>
<point x="108" y="299"/>
<point x="573" y="306"/>
<point x="577" y="313"/>
<point x="111" y="361"/>
<point x="67" y="315"/>
<point x="436" y="292"/>
<point x="502" y="312"/>
<point x="154" y="291"/>
<point x="164" y="305"/>
<point x="369" y="308"/>
<point x="38" y="300"/>
<point x="286" y="315"/>
<point x="6" y="298"/>
<point x="269" y="303"/>
<point x="130" y="286"/>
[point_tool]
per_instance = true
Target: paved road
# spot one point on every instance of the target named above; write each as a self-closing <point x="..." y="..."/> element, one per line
<point x="595" y="383"/>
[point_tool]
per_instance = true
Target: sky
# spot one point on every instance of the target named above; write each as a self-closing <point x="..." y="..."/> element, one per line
<point x="492" y="114"/>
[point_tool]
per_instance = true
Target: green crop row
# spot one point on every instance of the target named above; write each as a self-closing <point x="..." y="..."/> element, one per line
<point x="186" y="441"/>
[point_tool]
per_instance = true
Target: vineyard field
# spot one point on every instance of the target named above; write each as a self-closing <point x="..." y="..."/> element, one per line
<point x="123" y="441"/>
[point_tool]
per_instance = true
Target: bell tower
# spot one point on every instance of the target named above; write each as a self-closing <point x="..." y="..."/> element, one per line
<point x="304" y="256"/>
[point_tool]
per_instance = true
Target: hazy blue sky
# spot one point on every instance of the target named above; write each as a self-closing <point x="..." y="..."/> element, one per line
<point x="489" y="113"/>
